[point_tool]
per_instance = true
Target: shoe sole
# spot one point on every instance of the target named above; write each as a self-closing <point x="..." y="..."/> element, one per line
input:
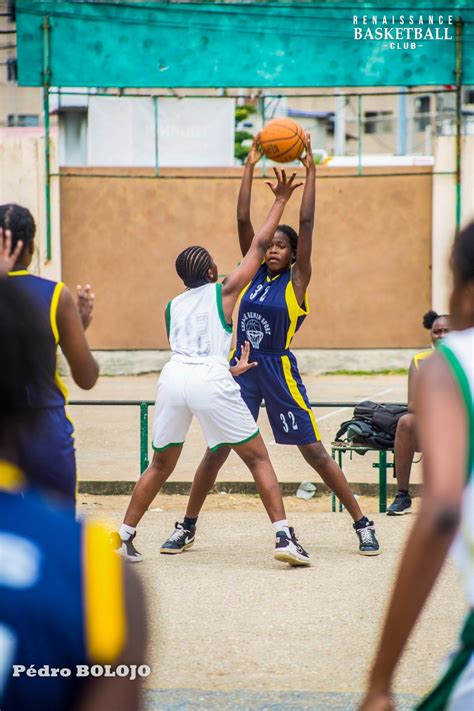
<point x="398" y="513"/>
<point x="370" y="553"/>
<point x="131" y="559"/>
<point x="171" y="551"/>
<point x="287" y="558"/>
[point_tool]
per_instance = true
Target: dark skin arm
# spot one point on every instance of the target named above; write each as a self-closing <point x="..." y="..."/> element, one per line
<point x="72" y="339"/>
<point x="301" y="273"/>
<point x="443" y="430"/>
<point x="120" y="693"/>
<point x="244" y="223"/>
<point x="237" y="279"/>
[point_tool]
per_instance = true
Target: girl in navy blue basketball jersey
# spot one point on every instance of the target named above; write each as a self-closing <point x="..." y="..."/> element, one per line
<point x="272" y="308"/>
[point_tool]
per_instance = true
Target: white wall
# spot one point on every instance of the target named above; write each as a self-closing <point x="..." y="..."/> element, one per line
<point x="22" y="180"/>
<point x="444" y="211"/>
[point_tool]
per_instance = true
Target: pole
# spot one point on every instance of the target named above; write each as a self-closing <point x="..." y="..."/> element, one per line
<point x="359" y="135"/>
<point x="46" y="84"/>
<point x="155" y="113"/>
<point x="402" y="122"/>
<point x="459" y="24"/>
<point x="340" y="124"/>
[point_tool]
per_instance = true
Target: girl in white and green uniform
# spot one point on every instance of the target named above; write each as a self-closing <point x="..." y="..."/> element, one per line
<point x="445" y="410"/>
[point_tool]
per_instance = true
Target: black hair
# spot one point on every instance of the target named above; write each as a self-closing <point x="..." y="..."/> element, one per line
<point x="25" y="349"/>
<point x="192" y="266"/>
<point x="430" y="317"/>
<point x="291" y="234"/>
<point x="463" y="254"/>
<point x="19" y="221"/>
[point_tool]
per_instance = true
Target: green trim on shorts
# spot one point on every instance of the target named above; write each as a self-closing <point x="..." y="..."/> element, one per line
<point x="463" y="383"/>
<point x="234" y="444"/>
<point x="438" y="698"/>
<point x="220" y="310"/>
<point x="167" y="446"/>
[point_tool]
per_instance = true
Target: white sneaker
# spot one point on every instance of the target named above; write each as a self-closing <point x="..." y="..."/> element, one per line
<point x="288" y="550"/>
<point x="125" y="548"/>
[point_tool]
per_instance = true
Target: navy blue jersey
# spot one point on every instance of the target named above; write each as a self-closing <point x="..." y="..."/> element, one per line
<point x="61" y="598"/>
<point x="269" y="314"/>
<point x="45" y="294"/>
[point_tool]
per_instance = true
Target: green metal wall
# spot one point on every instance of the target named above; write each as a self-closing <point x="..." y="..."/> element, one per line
<point x="265" y="44"/>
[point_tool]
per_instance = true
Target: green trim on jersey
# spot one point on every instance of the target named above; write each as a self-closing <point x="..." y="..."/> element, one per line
<point x="438" y="698"/>
<point x="168" y="318"/>
<point x="234" y="444"/>
<point x="220" y="309"/>
<point x="462" y="381"/>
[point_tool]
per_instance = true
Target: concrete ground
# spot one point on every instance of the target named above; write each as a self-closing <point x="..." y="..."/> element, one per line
<point x="231" y="628"/>
<point x="107" y="438"/>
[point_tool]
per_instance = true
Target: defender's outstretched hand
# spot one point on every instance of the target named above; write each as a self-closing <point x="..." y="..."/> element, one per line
<point x="255" y="152"/>
<point x="85" y="304"/>
<point x="285" y="186"/>
<point x="7" y="256"/>
<point x="242" y="364"/>
<point x="308" y="159"/>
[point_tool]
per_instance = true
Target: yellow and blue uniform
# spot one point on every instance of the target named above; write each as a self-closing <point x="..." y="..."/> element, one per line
<point x="62" y="600"/>
<point x="48" y="455"/>
<point x="420" y="357"/>
<point x="269" y="316"/>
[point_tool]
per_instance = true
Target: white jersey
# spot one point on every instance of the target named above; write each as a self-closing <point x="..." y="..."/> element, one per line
<point x="197" y="329"/>
<point x="458" y="349"/>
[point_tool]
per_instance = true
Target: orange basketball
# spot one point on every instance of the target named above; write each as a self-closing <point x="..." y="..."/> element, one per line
<point x="282" y="140"/>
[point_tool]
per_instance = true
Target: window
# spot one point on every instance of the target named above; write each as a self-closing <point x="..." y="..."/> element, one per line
<point x="23" y="120"/>
<point x="469" y="96"/>
<point x="422" y="112"/>
<point x="378" y="121"/>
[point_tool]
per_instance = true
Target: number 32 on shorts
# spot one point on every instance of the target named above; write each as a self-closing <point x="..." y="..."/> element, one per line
<point x="292" y="419"/>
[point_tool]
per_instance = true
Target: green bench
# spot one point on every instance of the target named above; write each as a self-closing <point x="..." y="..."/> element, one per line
<point x="338" y="449"/>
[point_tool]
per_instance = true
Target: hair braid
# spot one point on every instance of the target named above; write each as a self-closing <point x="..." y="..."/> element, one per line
<point x="192" y="266"/>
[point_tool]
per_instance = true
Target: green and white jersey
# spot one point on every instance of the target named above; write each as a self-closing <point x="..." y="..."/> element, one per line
<point x="458" y="349"/>
<point x="197" y="330"/>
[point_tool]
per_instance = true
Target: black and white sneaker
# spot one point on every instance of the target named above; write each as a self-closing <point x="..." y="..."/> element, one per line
<point x="125" y="548"/>
<point x="288" y="550"/>
<point x="401" y="505"/>
<point x="180" y="540"/>
<point x="368" y="543"/>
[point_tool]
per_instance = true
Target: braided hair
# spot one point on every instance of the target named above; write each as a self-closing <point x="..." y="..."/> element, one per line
<point x="19" y="221"/>
<point x="430" y="317"/>
<point x="192" y="266"/>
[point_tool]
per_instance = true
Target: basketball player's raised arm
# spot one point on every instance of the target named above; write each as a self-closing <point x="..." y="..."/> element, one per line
<point x="72" y="339"/>
<point x="237" y="279"/>
<point x="301" y="274"/>
<point x="244" y="223"/>
<point x="443" y="432"/>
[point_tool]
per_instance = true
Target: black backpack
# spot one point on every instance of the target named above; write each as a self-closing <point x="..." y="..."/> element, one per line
<point x="373" y="424"/>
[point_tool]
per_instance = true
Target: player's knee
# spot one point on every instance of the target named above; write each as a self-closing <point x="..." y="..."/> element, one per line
<point x="406" y="424"/>
<point x="316" y="455"/>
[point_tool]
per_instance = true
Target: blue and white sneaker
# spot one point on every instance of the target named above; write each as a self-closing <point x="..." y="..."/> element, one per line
<point x="125" y="548"/>
<point x="288" y="550"/>
<point x="180" y="540"/>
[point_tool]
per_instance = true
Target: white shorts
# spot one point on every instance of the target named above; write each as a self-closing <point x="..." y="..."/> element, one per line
<point x="208" y="391"/>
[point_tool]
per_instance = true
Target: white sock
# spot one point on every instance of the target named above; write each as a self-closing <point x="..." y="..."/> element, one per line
<point x="126" y="532"/>
<point x="281" y="526"/>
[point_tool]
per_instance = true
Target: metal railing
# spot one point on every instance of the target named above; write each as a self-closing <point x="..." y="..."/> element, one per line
<point x="145" y="404"/>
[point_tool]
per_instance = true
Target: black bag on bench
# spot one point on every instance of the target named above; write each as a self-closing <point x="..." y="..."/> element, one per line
<point x="373" y="424"/>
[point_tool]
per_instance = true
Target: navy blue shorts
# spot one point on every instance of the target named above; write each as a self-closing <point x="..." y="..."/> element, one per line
<point x="276" y="380"/>
<point x="48" y="454"/>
